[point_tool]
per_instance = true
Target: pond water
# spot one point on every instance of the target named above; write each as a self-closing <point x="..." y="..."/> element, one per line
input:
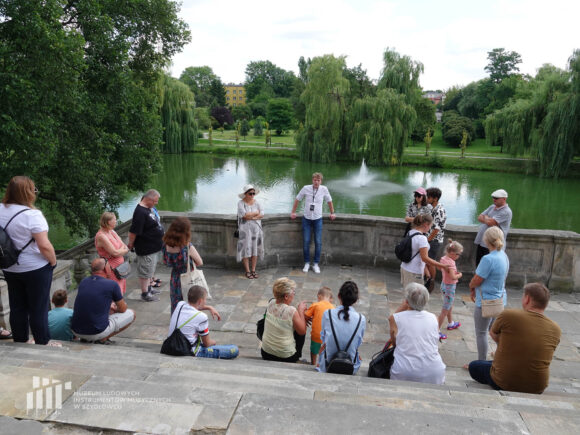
<point x="204" y="183"/>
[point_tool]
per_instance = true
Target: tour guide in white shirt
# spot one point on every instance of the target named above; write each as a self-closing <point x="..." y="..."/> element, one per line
<point x="314" y="195"/>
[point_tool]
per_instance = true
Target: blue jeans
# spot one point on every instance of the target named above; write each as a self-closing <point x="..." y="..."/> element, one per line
<point x="308" y="227"/>
<point x="480" y="371"/>
<point x="29" y="298"/>
<point x="222" y="351"/>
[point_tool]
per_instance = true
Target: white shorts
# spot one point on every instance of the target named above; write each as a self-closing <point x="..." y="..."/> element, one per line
<point x="117" y="322"/>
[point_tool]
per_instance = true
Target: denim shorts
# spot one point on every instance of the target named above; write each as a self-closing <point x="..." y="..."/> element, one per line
<point x="448" y="291"/>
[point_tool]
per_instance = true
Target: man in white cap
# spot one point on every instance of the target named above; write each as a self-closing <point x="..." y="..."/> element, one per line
<point x="499" y="215"/>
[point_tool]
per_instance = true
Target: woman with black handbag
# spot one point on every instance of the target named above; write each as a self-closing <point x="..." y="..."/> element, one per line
<point x="342" y="331"/>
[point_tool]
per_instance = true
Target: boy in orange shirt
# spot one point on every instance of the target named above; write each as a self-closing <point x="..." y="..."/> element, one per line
<point x="314" y="313"/>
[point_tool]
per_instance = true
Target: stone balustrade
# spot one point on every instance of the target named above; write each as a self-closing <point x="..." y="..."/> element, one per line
<point x="552" y="257"/>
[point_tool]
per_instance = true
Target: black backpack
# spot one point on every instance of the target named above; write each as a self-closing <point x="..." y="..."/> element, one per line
<point x="404" y="249"/>
<point x="8" y="252"/>
<point x="341" y="363"/>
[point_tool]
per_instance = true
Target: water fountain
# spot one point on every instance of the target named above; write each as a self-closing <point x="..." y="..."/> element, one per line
<point x="363" y="186"/>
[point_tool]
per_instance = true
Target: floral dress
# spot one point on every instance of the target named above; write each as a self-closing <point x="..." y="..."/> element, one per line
<point x="251" y="241"/>
<point x="176" y="260"/>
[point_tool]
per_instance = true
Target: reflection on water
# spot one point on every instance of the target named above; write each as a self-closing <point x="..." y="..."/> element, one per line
<point x="204" y="183"/>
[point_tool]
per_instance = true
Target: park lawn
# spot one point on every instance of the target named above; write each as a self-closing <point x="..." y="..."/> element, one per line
<point x="286" y="139"/>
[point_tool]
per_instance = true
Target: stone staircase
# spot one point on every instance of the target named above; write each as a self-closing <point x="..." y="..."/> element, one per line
<point x="128" y="389"/>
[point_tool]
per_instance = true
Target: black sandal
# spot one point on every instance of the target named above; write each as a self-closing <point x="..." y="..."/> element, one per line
<point x="255" y="275"/>
<point x="249" y="275"/>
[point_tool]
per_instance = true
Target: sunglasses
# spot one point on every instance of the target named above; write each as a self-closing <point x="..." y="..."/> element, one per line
<point x="494" y="198"/>
<point x="418" y="195"/>
<point x="250" y="193"/>
<point x="36" y="191"/>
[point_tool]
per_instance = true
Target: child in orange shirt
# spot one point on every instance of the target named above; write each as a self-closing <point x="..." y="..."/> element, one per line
<point x="314" y="313"/>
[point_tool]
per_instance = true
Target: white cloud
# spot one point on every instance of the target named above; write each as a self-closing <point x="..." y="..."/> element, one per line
<point x="450" y="37"/>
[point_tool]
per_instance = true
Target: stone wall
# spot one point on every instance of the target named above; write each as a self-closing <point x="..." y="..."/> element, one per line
<point x="552" y="257"/>
<point x="61" y="279"/>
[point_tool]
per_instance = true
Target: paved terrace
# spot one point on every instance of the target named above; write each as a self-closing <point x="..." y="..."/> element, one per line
<point x="129" y="387"/>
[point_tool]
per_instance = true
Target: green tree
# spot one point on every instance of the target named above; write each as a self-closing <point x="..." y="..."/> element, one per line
<point x="425" y="110"/>
<point x="241" y="112"/>
<point x="428" y="139"/>
<point x="199" y="79"/>
<point x="265" y="77"/>
<point x="360" y="84"/>
<point x="79" y="85"/>
<point x="177" y="117"/>
<point x="452" y="127"/>
<point x="237" y="136"/>
<point x="279" y="114"/>
<point x="244" y="128"/>
<point x="322" y="137"/>
<point x="258" y="127"/>
<point x="401" y="73"/>
<point x="201" y="116"/>
<point x="217" y="93"/>
<point x="380" y="127"/>
<point x="502" y="64"/>
<point x="544" y="121"/>
<point x="463" y="143"/>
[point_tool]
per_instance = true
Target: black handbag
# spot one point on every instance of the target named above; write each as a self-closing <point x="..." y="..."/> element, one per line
<point x="341" y="363"/>
<point x="261" y="323"/>
<point x="177" y="344"/>
<point x="380" y="365"/>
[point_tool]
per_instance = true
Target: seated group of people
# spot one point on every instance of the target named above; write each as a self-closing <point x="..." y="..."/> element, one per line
<point x="526" y="338"/>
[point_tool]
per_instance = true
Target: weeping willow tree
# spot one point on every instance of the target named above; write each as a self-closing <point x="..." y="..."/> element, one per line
<point x="321" y="138"/>
<point x="177" y="116"/>
<point x="401" y="73"/>
<point x="545" y="123"/>
<point x="379" y="127"/>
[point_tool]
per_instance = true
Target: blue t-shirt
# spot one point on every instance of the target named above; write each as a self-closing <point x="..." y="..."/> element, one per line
<point x="92" y="305"/>
<point x="493" y="268"/>
<point x="59" y="321"/>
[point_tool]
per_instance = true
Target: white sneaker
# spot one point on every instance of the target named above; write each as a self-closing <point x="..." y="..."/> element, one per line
<point x="306" y="267"/>
<point x="315" y="268"/>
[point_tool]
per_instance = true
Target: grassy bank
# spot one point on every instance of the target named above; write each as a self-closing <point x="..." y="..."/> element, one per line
<point x="478" y="155"/>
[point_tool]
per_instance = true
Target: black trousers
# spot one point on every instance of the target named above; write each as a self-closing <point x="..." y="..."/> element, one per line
<point x="300" y="339"/>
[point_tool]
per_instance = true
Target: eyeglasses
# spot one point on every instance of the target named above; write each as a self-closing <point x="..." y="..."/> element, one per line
<point x="250" y="193"/>
<point x="418" y="195"/>
<point x="494" y="198"/>
<point x="36" y="191"/>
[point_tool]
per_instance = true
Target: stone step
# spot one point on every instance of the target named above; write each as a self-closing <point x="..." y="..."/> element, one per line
<point x="156" y="393"/>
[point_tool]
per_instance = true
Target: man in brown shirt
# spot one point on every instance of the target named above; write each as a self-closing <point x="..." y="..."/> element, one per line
<point x="526" y="341"/>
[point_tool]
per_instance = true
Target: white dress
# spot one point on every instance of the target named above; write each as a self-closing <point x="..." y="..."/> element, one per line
<point x="251" y="241"/>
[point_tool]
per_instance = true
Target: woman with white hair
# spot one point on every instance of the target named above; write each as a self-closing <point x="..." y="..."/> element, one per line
<point x="415" y="333"/>
<point x="489" y="283"/>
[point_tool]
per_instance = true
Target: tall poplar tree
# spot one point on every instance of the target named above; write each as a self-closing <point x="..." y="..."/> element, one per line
<point x="322" y="137"/>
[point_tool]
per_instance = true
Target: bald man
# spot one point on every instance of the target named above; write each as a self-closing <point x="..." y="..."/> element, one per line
<point x="100" y="311"/>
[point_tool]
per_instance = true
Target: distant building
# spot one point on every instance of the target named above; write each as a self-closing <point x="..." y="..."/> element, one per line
<point x="436" y="97"/>
<point x="235" y="94"/>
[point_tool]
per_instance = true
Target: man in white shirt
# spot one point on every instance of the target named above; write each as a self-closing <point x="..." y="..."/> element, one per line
<point x="314" y="195"/>
<point x="498" y="214"/>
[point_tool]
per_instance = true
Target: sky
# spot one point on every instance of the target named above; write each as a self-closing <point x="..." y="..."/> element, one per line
<point x="450" y="37"/>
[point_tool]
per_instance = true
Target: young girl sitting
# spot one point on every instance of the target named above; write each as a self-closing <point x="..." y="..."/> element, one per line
<point x="448" y="283"/>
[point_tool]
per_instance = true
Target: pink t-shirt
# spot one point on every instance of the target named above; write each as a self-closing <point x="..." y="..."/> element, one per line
<point x="446" y="277"/>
